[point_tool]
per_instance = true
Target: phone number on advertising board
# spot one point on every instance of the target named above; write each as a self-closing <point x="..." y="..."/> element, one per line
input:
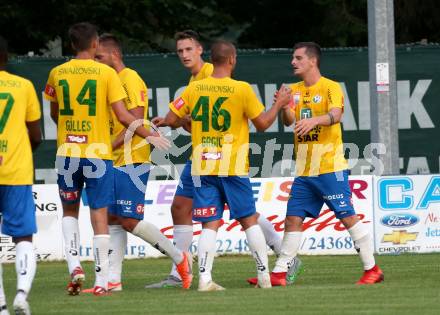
<point x="329" y="242"/>
<point x="226" y="246"/>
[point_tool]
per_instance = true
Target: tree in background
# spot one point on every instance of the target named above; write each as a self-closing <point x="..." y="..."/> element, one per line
<point x="149" y="25"/>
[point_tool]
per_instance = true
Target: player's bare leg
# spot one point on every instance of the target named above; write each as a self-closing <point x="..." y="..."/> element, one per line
<point x="363" y="244"/>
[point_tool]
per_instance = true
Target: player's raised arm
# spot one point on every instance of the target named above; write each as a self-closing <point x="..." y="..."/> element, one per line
<point x="138" y="113"/>
<point x="126" y="118"/>
<point x="266" y="119"/>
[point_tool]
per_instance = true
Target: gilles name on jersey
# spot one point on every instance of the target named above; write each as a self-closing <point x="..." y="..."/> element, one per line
<point x="78" y="125"/>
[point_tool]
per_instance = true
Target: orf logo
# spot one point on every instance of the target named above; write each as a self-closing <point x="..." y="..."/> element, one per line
<point x="205" y="212"/>
<point x="399" y="220"/>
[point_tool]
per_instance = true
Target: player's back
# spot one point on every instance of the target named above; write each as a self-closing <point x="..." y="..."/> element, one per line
<point x="137" y="96"/>
<point x="84" y="90"/>
<point x="220" y="109"/>
<point x="18" y="104"/>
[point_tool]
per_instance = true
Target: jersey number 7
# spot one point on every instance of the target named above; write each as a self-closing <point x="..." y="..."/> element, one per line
<point x="8" y="107"/>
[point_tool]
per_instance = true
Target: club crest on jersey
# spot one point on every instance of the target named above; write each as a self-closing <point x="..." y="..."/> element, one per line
<point x="211" y="156"/>
<point x="49" y="90"/>
<point x="178" y="104"/>
<point x="76" y="139"/>
<point x="317" y="99"/>
<point x="205" y="212"/>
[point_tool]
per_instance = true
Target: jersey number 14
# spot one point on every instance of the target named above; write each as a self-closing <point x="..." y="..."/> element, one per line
<point x="90" y="87"/>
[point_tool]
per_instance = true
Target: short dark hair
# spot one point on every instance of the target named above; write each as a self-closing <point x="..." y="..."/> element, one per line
<point x="312" y="50"/>
<point x="3" y="50"/>
<point x="187" y="34"/>
<point x="110" y="39"/>
<point x="221" y="50"/>
<point x="81" y="35"/>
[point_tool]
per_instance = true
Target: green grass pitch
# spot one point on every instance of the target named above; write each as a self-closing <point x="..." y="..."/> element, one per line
<point x="326" y="286"/>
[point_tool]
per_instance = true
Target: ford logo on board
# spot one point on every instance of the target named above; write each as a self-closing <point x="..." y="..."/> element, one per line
<point x="397" y="220"/>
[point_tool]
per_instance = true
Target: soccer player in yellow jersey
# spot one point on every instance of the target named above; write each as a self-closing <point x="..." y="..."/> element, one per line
<point x="189" y="50"/>
<point x="82" y="92"/>
<point x="19" y="135"/>
<point x="220" y="109"/>
<point x="131" y="170"/>
<point x="321" y="169"/>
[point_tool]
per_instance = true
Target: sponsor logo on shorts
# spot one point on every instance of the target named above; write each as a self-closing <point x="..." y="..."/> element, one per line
<point x="342" y="203"/>
<point x="211" y="156"/>
<point x="398" y="237"/>
<point x="205" y="212"/>
<point x="123" y="202"/>
<point x="49" y="90"/>
<point x="140" y="209"/>
<point x="178" y="104"/>
<point x="76" y="139"/>
<point x="399" y="220"/>
<point x="69" y="195"/>
<point x="333" y="197"/>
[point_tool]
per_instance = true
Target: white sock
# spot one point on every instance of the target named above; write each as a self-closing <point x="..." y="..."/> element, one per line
<point x="273" y="240"/>
<point x="100" y="250"/>
<point x="182" y="235"/>
<point x="289" y="249"/>
<point x="25" y="265"/>
<point x="2" y="290"/>
<point x="151" y="234"/>
<point x="206" y="253"/>
<point x="118" y="243"/>
<point x="71" y="242"/>
<point x="363" y="244"/>
<point x="257" y="246"/>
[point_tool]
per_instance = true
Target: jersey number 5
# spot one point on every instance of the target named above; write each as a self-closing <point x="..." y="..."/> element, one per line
<point x="8" y="107"/>
<point x="220" y="119"/>
<point x="90" y="87"/>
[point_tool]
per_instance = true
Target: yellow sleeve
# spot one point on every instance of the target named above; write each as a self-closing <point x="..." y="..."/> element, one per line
<point x="180" y="106"/>
<point x="335" y="96"/>
<point x="49" y="91"/>
<point x="252" y="106"/>
<point x="33" y="111"/>
<point x="115" y="91"/>
<point x="137" y="93"/>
